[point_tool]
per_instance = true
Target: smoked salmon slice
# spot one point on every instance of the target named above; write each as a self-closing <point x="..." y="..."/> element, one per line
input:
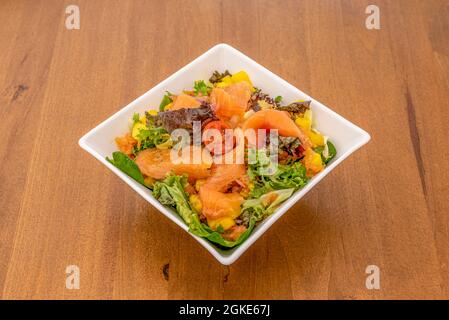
<point x="223" y="175"/>
<point x="280" y="120"/>
<point x="184" y="101"/>
<point x="156" y="163"/>
<point x="231" y="100"/>
<point x="218" y="205"/>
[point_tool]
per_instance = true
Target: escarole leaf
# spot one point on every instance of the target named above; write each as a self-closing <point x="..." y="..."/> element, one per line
<point x="170" y="192"/>
<point x="264" y="206"/>
<point x="125" y="164"/>
<point x="152" y="136"/>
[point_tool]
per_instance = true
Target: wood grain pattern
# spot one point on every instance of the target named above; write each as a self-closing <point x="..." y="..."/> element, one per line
<point x="387" y="205"/>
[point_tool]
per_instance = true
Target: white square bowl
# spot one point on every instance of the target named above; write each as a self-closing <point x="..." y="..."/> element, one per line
<point x="346" y="136"/>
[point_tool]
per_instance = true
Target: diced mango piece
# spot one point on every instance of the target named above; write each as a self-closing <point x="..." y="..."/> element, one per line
<point x="149" y="182"/>
<point x="225" y="81"/>
<point x="303" y="123"/>
<point x="136" y="130"/>
<point x="313" y="162"/>
<point x="316" y="138"/>
<point x="199" y="183"/>
<point x="225" y="223"/>
<point x="241" y="76"/>
<point x="196" y="203"/>
<point x="153" y="112"/>
<point x="308" y="115"/>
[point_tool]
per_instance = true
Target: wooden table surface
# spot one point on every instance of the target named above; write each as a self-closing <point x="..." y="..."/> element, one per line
<point x="387" y="205"/>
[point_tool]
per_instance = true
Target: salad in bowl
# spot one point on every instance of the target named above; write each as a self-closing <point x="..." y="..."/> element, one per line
<point x="223" y="154"/>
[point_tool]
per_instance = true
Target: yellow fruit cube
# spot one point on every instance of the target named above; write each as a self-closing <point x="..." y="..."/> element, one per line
<point x="149" y="181"/>
<point x="313" y="162"/>
<point x="240" y="77"/>
<point x="225" y="81"/>
<point x="308" y="115"/>
<point x="136" y="130"/>
<point x="304" y="123"/>
<point x="196" y="203"/>
<point x="226" y="223"/>
<point x="235" y="78"/>
<point x="199" y="183"/>
<point x="316" y="138"/>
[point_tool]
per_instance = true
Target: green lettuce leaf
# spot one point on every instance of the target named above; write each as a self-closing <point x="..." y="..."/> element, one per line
<point x="327" y="152"/>
<point x="267" y="176"/>
<point x="201" y="87"/>
<point x="166" y="100"/>
<point x="217" y="238"/>
<point x="152" y="137"/>
<point x="125" y="164"/>
<point x="136" y="118"/>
